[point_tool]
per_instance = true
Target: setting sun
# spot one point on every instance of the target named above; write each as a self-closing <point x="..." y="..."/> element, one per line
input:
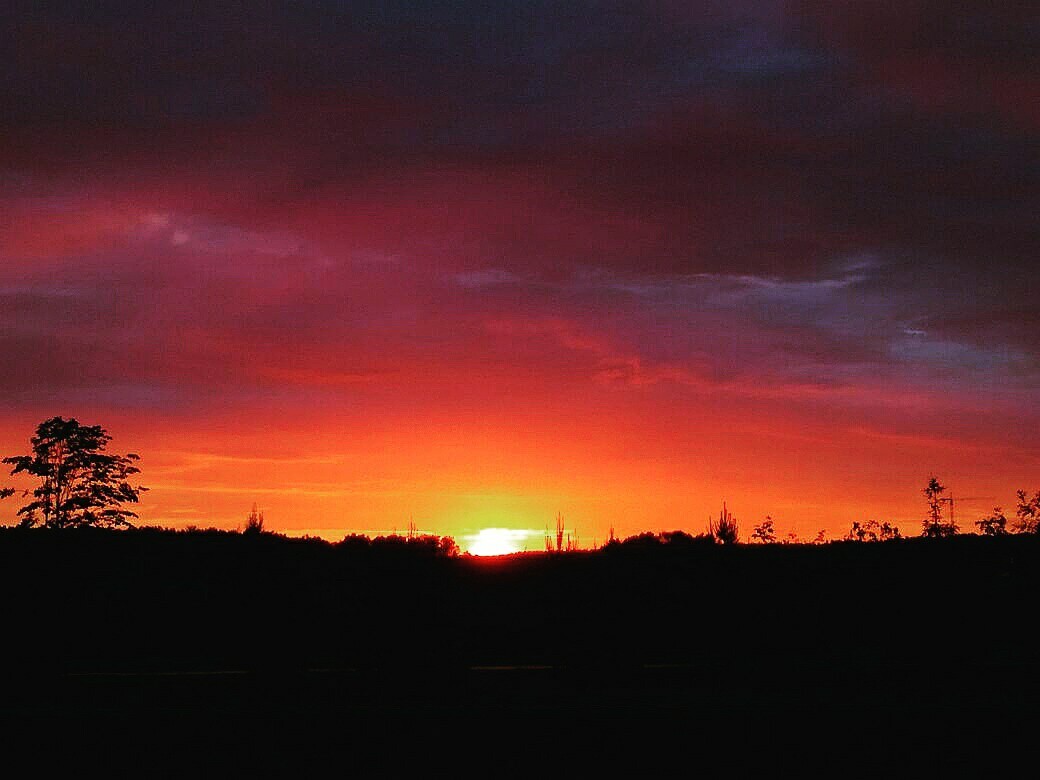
<point x="495" y="541"/>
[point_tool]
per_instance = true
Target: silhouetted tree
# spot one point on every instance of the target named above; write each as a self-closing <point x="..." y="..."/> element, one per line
<point x="677" y="540"/>
<point x="80" y="484"/>
<point x="644" y="541"/>
<point x="255" y="522"/>
<point x="725" y="529"/>
<point x="935" y="526"/>
<point x="873" y="531"/>
<point x="994" y="525"/>
<point x="764" y="532"/>
<point x="859" y="533"/>
<point x="355" y="542"/>
<point x="1027" y="513"/>
<point x="448" y="547"/>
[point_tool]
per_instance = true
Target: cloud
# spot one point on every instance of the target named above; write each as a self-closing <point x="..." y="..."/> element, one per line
<point x="486" y="277"/>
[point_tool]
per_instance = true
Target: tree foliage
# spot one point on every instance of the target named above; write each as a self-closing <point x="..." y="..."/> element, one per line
<point x="764" y="532"/>
<point x="1027" y="513"/>
<point x="993" y="525"/>
<point x="79" y="483"/>
<point x="935" y="525"/>
<point x="418" y="544"/>
<point x="254" y="522"/>
<point x="873" y="531"/>
<point x="725" y="529"/>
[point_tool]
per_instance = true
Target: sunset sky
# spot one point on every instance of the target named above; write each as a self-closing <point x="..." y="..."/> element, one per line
<point x="477" y="263"/>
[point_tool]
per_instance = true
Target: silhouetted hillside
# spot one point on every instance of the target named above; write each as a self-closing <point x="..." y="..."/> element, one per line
<point x="881" y="622"/>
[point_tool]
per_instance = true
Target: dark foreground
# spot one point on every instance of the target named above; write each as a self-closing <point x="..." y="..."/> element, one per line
<point x="218" y="626"/>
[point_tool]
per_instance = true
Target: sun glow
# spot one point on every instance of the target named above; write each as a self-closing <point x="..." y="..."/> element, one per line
<point x="494" y="541"/>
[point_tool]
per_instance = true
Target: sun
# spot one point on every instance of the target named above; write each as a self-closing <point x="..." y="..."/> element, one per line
<point x="494" y="541"/>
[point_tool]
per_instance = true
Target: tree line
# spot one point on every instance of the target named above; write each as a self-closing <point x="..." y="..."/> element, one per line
<point x="80" y="484"/>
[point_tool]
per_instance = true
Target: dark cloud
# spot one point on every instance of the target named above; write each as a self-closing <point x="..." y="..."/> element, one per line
<point x="318" y="177"/>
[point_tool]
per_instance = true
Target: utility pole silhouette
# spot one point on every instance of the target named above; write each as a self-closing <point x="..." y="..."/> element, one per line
<point x="950" y="501"/>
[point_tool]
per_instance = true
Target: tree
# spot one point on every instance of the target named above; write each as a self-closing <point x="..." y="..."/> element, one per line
<point x="994" y="525"/>
<point x="80" y="484"/>
<point x="873" y="531"/>
<point x="934" y="525"/>
<point x="1027" y="513"/>
<point x="448" y="547"/>
<point x="255" y="522"/>
<point x="887" y="532"/>
<point x="725" y="530"/>
<point x="764" y="532"/>
<point x="679" y="540"/>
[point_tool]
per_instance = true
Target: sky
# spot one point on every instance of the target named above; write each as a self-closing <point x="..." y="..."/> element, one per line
<point x="471" y="264"/>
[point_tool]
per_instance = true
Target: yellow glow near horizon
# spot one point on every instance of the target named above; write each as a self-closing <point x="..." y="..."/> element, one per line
<point x="494" y="541"/>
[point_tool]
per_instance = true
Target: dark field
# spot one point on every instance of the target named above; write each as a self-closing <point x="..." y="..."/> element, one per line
<point x="218" y="624"/>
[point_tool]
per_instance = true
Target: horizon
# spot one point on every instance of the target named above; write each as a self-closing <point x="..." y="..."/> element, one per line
<point x="472" y="267"/>
<point x="494" y="541"/>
